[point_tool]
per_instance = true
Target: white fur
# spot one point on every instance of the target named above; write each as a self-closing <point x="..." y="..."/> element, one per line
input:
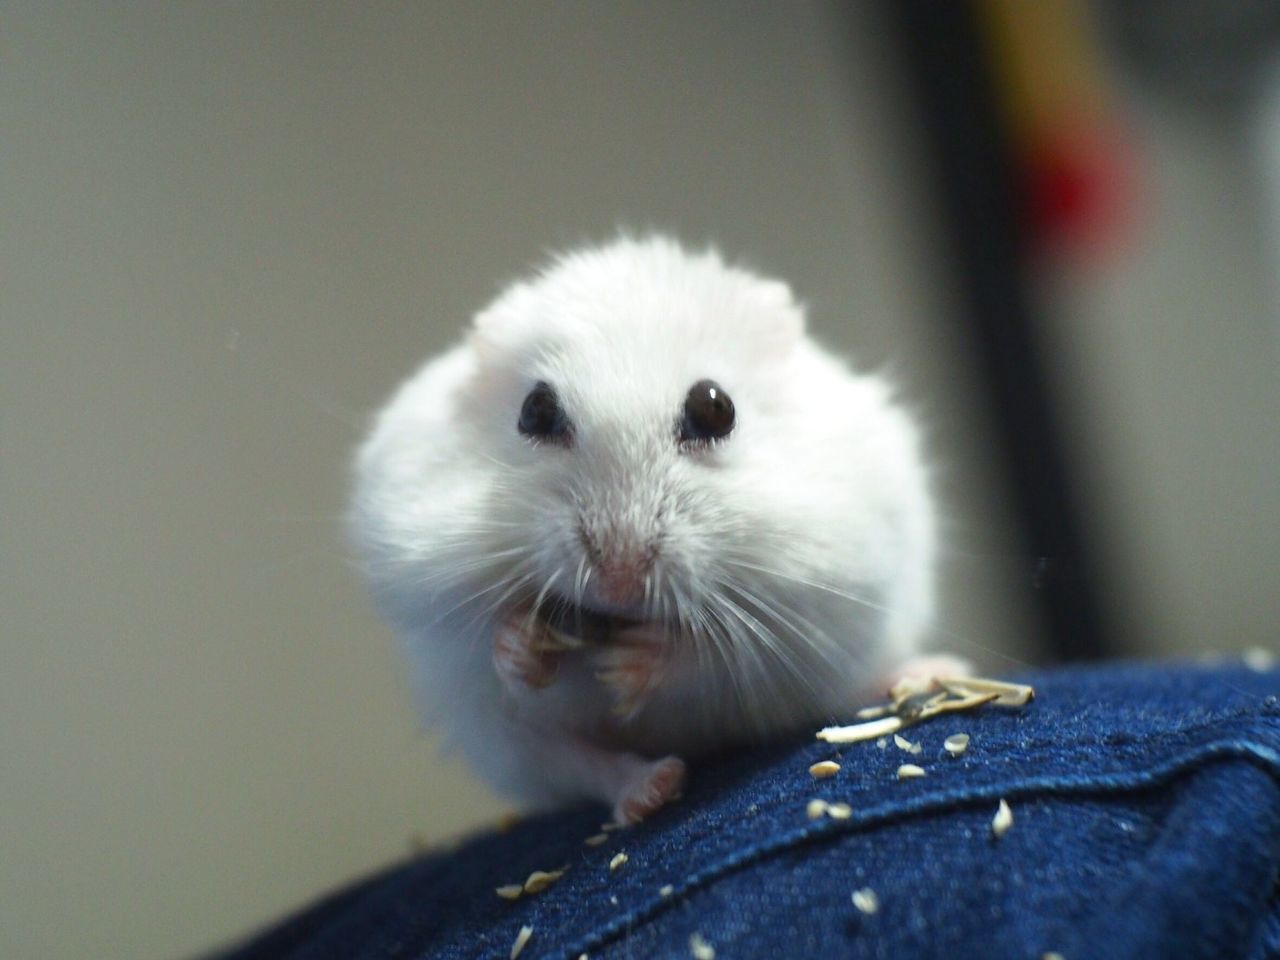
<point x="814" y="510"/>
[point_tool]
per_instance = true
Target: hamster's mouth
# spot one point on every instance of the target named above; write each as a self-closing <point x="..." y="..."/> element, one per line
<point x="575" y="625"/>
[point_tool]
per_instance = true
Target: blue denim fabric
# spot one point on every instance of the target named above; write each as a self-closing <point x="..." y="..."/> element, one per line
<point x="1146" y="806"/>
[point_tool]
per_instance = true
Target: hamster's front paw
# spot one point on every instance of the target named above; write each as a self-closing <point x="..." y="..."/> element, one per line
<point x="521" y="661"/>
<point x="632" y="667"/>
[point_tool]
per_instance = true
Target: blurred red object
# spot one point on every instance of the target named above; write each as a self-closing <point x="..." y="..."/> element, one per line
<point x="1075" y="157"/>
<point x="1080" y="187"/>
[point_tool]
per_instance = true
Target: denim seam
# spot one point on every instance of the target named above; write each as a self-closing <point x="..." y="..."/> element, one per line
<point x="1268" y="717"/>
<point x="1235" y="749"/>
<point x="1001" y="757"/>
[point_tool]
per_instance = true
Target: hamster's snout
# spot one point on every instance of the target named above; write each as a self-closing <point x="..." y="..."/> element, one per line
<point x="620" y="581"/>
<point x="621" y="565"/>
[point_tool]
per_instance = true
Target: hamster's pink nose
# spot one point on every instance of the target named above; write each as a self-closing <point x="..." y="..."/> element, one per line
<point x="621" y="562"/>
<point x="618" y="581"/>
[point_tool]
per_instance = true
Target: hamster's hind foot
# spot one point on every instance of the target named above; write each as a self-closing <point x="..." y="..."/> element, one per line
<point x="633" y="786"/>
<point x="923" y="667"/>
<point x="649" y="789"/>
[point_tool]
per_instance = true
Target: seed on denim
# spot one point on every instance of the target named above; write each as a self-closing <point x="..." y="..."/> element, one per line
<point x="815" y="808"/>
<point x="539" y="880"/>
<point x="909" y="770"/>
<point x="521" y="939"/>
<point x="866" y="900"/>
<point x="902" y="743"/>
<point x="956" y="744"/>
<point x="1003" y="819"/>
<point x="1258" y="659"/>
<point x="823" y="769"/>
<point x="839" y="811"/>
<point x="618" y="860"/>
<point x="1052" y="955"/>
<point x="861" y="731"/>
<point x="1007" y="694"/>
<point x="700" y="949"/>
<point x="510" y="891"/>
<point x="666" y="890"/>
<point x="883" y="743"/>
<point x="958" y="704"/>
<point x="596" y="839"/>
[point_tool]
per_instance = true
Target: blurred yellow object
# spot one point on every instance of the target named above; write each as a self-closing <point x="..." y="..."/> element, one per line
<point x="1073" y="156"/>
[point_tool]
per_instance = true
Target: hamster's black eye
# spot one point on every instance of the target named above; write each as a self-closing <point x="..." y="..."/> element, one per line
<point x="541" y="415"/>
<point x="708" y="413"/>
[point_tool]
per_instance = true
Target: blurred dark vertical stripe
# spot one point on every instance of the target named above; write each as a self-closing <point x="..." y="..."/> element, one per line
<point x="975" y="185"/>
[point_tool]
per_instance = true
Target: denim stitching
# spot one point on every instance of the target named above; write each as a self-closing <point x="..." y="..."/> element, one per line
<point x="1221" y="751"/>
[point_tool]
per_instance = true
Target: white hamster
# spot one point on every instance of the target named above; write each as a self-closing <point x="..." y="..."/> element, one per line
<point x="641" y="446"/>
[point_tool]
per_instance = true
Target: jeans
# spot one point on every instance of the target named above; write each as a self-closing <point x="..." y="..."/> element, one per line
<point x="1146" y="824"/>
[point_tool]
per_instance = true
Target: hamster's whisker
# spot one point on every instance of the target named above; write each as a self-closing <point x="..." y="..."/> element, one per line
<point x="516" y="585"/>
<point x="471" y="598"/>
<point x="777" y="611"/>
<point x="463" y="570"/>
<point x="542" y="594"/>
<point x="975" y="645"/>
<point x="488" y="610"/>
<point x="579" y="580"/>
<point x="816" y="584"/>
<point x="753" y="678"/>
<point x="762" y="685"/>
<point x="513" y="580"/>
<point x="834" y="654"/>
<point x="683" y="612"/>
<point x="768" y="643"/>
<point x="709" y="619"/>
<point x="707" y="706"/>
<point x="658" y="611"/>
<point x="675" y="610"/>
<point x="507" y="468"/>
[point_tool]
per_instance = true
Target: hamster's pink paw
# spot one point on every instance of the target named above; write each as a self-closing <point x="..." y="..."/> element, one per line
<point x="632" y="668"/>
<point x="924" y="667"/>
<point x="520" y="663"/>
<point x="649" y="789"/>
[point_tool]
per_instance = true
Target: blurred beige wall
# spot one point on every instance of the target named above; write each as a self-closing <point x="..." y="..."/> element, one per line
<point x="1168" y="370"/>
<point x="226" y="231"/>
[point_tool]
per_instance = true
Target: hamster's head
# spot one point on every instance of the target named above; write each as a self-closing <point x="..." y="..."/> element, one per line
<point x="621" y="387"/>
<point x="643" y="436"/>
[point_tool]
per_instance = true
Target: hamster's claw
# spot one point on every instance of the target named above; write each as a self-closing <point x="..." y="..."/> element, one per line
<point x="521" y="661"/>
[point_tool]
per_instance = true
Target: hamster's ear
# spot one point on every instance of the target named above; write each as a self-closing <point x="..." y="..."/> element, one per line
<point x="504" y="322"/>
<point x="782" y="316"/>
